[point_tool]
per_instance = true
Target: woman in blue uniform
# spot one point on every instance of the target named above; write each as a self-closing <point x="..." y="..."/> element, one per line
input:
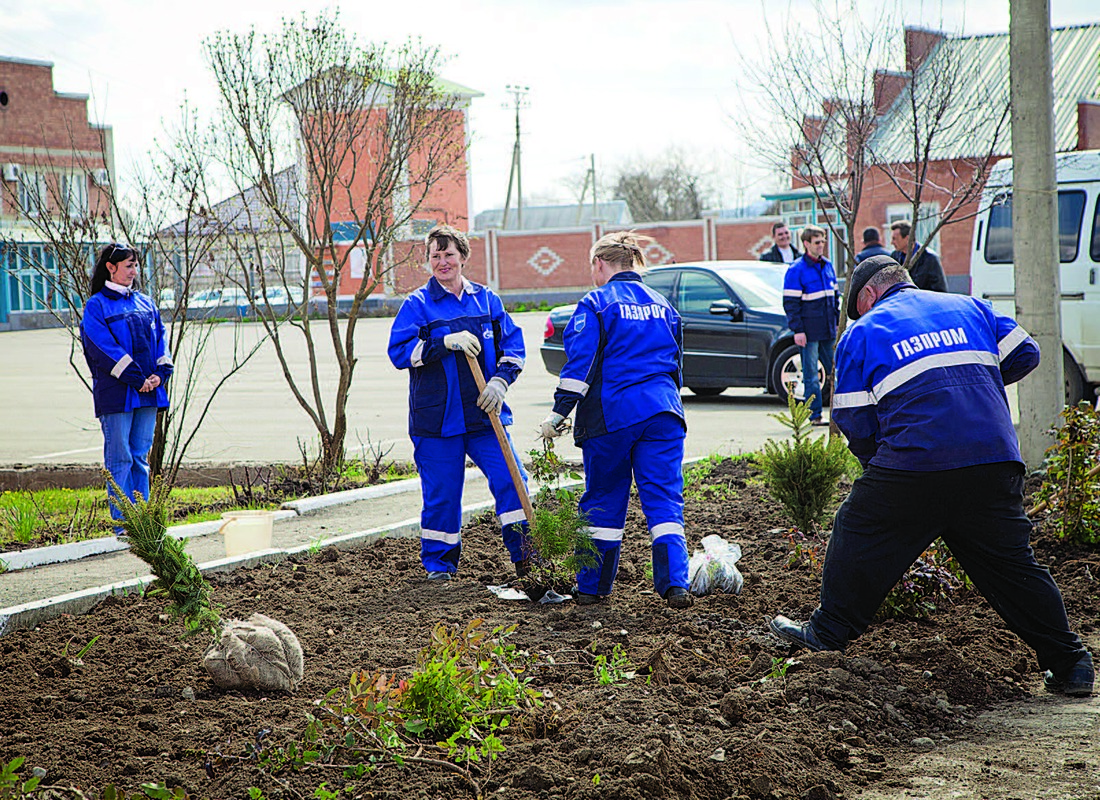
<point x="124" y="345"/>
<point x="436" y="328"/>
<point x="624" y="351"/>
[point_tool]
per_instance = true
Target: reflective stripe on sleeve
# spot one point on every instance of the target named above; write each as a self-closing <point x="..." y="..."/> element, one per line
<point x="606" y="534"/>
<point x="573" y="385"/>
<point x="792" y="292"/>
<point x="853" y="399"/>
<point x="164" y="360"/>
<point x="1013" y="339"/>
<point x="519" y="362"/>
<point x="440" y="536"/>
<point x="818" y="295"/>
<point x="121" y="365"/>
<point x="417" y="357"/>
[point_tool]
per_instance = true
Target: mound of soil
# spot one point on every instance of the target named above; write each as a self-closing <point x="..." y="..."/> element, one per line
<point x="710" y="714"/>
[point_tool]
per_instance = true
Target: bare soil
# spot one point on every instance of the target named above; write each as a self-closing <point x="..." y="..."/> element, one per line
<point x="910" y="710"/>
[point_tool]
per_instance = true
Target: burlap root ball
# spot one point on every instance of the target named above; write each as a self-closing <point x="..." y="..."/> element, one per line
<point x="257" y="653"/>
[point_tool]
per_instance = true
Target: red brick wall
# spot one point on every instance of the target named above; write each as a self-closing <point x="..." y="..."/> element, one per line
<point x="45" y="132"/>
<point x="744" y="239"/>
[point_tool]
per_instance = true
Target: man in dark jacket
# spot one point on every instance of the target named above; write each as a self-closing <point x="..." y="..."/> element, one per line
<point x="920" y="396"/>
<point x="925" y="269"/>
<point x="783" y="251"/>
<point x="872" y="245"/>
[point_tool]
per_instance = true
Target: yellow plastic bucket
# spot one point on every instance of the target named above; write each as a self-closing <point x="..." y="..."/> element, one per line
<point x="246" y="531"/>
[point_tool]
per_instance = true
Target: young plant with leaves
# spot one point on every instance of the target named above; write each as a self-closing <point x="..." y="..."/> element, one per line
<point x="1071" y="483"/>
<point x="803" y="474"/>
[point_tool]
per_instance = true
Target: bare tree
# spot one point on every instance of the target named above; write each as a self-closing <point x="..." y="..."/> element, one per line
<point x="949" y="128"/>
<point x="816" y="107"/>
<point x="665" y="188"/>
<point x="71" y="229"/>
<point x="370" y="131"/>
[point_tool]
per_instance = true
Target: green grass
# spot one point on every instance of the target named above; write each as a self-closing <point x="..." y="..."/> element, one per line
<point x="54" y="516"/>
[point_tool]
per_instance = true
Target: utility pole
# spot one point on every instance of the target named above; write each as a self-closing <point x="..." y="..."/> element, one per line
<point x="519" y="100"/>
<point x="1035" y="221"/>
<point x="589" y="176"/>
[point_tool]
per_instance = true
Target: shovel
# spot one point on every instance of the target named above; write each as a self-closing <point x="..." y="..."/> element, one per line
<point x="505" y="447"/>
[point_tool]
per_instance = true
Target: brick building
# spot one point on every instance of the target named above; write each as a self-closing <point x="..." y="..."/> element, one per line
<point x="985" y="60"/>
<point x="56" y="167"/>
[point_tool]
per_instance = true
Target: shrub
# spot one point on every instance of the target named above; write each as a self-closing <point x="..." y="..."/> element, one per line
<point x="1071" y="484"/>
<point x="932" y="580"/>
<point x="803" y="474"/>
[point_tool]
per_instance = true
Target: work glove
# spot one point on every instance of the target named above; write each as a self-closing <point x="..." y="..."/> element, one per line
<point x="491" y="398"/>
<point x="464" y="341"/>
<point x="553" y="426"/>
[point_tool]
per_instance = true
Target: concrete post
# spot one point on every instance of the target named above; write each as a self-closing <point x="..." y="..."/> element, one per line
<point x="1035" y="221"/>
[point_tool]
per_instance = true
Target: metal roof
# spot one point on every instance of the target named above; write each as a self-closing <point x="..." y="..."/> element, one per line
<point x="243" y="212"/>
<point x="970" y="122"/>
<point x="613" y="212"/>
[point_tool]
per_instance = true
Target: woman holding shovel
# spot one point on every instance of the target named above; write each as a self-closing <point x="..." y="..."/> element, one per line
<point x="624" y="352"/>
<point x="442" y="332"/>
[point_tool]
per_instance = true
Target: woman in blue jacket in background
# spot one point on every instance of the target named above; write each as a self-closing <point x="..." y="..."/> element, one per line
<point x="436" y="328"/>
<point x="124" y="345"/>
<point x="624" y="350"/>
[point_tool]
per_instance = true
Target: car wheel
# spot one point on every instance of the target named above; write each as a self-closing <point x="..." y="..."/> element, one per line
<point x="707" y="391"/>
<point x="787" y="374"/>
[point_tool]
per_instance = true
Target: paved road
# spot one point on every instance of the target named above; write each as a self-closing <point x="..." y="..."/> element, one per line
<point x="48" y="417"/>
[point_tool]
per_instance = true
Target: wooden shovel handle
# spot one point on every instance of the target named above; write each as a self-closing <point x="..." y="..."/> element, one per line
<point x="505" y="446"/>
<point x="1031" y="512"/>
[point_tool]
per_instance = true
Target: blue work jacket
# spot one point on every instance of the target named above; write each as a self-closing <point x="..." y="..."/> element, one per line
<point x="124" y="343"/>
<point x="442" y="391"/>
<point x="624" y="350"/>
<point x="921" y="381"/>
<point x="810" y="299"/>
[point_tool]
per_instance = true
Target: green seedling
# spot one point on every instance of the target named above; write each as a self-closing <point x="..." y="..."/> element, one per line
<point x="78" y="659"/>
<point x="616" y="669"/>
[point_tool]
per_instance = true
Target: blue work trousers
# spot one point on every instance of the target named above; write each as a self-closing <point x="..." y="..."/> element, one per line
<point x="890" y="518"/>
<point x="812" y="353"/>
<point x="651" y="454"/>
<point x="127" y="439"/>
<point x="441" y="463"/>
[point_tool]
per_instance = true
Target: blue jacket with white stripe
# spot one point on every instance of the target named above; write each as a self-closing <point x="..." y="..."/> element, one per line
<point x="810" y="299"/>
<point x="921" y="381"/>
<point x="624" y="350"/>
<point x="124" y="343"/>
<point x="442" y="392"/>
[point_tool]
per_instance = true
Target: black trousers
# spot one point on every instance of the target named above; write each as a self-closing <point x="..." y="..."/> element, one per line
<point x="890" y="518"/>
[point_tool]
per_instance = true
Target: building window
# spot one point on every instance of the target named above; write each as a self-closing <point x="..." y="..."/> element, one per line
<point x="32" y="193"/>
<point x="929" y="218"/>
<point x="74" y="194"/>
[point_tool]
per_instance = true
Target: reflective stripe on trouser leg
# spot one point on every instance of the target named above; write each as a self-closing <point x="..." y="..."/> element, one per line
<point x="658" y="472"/>
<point x="607" y="479"/>
<point x="441" y="464"/>
<point x="600" y="578"/>
<point x="484" y="449"/>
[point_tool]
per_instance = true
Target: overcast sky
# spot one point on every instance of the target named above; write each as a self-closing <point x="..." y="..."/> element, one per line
<point x="619" y="79"/>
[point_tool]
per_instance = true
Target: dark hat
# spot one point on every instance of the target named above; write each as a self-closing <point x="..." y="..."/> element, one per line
<point x="863" y="273"/>
<point x="871" y="235"/>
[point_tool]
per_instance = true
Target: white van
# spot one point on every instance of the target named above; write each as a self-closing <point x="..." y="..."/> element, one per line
<point x="991" y="267"/>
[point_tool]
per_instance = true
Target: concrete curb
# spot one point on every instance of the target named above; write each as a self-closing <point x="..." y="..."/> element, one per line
<point x="28" y="615"/>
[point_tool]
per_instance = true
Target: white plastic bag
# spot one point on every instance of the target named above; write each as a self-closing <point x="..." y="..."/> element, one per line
<point x="714" y="568"/>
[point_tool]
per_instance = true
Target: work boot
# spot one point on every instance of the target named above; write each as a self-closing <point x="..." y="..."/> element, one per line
<point x="678" y="597"/>
<point x="440" y="576"/>
<point x="797" y="633"/>
<point x="1076" y="682"/>
<point x="585" y="599"/>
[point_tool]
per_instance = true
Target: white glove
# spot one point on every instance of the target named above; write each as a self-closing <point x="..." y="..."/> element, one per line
<point x="492" y="398"/>
<point x="552" y="426"/>
<point x="464" y="341"/>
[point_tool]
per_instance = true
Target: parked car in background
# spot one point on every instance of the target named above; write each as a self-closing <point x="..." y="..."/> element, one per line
<point x="281" y="296"/>
<point x="735" y="331"/>
<point x="219" y="297"/>
<point x="166" y="299"/>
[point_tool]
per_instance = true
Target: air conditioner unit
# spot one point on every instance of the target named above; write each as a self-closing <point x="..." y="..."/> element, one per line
<point x="100" y="177"/>
<point x="11" y="172"/>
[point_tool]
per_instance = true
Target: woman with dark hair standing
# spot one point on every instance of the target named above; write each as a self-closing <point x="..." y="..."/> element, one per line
<point x="124" y="345"/>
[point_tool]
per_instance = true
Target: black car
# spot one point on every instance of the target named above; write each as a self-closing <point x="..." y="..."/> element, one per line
<point x="735" y="331"/>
